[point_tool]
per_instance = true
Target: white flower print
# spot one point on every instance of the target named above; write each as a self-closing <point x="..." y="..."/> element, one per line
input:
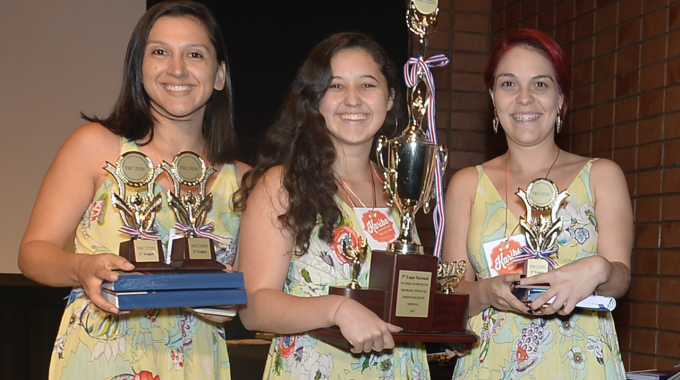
<point x="577" y="358"/>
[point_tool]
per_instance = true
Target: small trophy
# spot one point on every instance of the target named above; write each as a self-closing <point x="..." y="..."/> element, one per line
<point x="138" y="211"/>
<point x="356" y="257"/>
<point x="449" y="275"/>
<point x="541" y="232"/>
<point x="196" y="249"/>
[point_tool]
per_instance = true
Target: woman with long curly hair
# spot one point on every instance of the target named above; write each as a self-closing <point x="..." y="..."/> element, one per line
<point x="302" y="200"/>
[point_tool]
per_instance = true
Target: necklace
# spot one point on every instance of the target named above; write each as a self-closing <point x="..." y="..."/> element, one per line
<point x="507" y="158"/>
<point x="160" y="161"/>
<point x="345" y="188"/>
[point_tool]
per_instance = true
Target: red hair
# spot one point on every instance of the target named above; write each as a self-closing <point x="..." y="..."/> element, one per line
<point x="544" y="45"/>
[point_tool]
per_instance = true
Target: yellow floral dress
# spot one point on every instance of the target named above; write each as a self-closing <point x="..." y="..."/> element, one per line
<point x="303" y="356"/>
<point x="582" y="345"/>
<point x="155" y="344"/>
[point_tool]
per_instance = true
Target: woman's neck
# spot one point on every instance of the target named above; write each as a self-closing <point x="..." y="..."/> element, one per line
<point x="529" y="159"/>
<point x="352" y="167"/>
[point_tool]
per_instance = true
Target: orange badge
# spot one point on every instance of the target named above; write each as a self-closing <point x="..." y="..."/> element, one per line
<point x="379" y="226"/>
<point x="501" y="257"/>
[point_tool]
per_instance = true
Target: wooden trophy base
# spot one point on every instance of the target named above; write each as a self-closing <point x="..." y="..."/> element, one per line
<point x="145" y="255"/>
<point x="194" y="254"/>
<point x="402" y="292"/>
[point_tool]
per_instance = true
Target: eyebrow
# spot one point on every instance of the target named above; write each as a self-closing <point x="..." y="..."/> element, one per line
<point x="149" y="42"/>
<point x="369" y="76"/>
<point x="533" y="78"/>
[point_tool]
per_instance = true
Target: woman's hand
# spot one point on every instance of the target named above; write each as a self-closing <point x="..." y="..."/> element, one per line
<point x="362" y="328"/>
<point x="93" y="270"/>
<point x="498" y="293"/>
<point x="569" y="284"/>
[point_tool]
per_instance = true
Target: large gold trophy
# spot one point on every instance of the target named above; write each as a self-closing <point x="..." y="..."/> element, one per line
<point x="407" y="287"/>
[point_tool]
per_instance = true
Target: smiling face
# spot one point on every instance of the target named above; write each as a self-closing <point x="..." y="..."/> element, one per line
<point x="180" y="70"/>
<point x="526" y="96"/>
<point x="357" y="100"/>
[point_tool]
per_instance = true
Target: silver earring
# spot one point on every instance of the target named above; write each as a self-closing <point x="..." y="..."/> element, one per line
<point x="495" y="121"/>
<point x="558" y="121"/>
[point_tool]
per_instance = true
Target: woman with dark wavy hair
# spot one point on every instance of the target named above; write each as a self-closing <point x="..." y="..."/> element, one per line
<point x="312" y="187"/>
<point x="175" y="97"/>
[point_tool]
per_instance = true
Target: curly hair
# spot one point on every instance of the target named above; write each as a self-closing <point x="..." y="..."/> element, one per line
<point x="300" y="142"/>
<point x="131" y="116"/>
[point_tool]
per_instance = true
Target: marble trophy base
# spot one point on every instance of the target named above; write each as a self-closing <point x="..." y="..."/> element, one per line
<point x="145" y="255"/>
<point x="194" y="254"/>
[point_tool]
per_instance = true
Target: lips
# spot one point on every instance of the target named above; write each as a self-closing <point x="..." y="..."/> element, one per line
<point x="526" y="117"/>
<point x="177" y="87"/>
<point x="353" y="116"/>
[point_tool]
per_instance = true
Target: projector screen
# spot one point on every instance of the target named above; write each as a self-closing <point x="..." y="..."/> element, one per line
<point x="60" y="58"/>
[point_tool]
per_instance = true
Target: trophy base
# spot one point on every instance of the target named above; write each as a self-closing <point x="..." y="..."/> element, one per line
<point x="464" y="339"/>
<point x="145" y="255"/>
<point x="194" y="254"/>
<point x="402" y="292"/>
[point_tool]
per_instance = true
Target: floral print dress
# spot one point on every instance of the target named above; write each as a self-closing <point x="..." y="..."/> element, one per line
<point x="156" y="344"/>
<point x="580" y="346"/>
<point x="304" y="356"/>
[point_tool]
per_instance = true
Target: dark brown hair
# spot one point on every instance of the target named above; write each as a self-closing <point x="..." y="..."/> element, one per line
<point x="300" y="142"/>
<point x="131" y="116"/>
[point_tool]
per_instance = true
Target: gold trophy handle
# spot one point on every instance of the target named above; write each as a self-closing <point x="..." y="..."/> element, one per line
<point x="443" y="157"/>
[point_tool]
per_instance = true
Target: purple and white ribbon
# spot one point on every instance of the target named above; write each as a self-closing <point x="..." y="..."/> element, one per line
<point x="528" y="253"/>
<point x="201" y="231"/>
<point x="135" y="233"/>
<point x="411" y="69"/>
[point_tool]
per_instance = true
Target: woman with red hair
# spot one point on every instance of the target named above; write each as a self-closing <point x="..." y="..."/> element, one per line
<point x="529" y="79"/>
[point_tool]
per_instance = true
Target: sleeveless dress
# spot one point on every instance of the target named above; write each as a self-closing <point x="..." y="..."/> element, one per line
<point x="582" y="345"/>
<point x="144" y="344"/>
<point x="303" y="356"/>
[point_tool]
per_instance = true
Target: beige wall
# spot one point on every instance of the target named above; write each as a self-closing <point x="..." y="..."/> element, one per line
<point x="57" y="58"/>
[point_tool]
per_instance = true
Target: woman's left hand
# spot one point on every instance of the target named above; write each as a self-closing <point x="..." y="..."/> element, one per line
<point x="569" y="284"/>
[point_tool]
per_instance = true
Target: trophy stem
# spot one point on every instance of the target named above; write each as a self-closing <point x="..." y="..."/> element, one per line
<point x="405" y="244"/>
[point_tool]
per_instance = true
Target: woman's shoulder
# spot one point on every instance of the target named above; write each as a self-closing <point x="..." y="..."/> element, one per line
<point x="95" y="137"/>
<point x="92" y="142"/>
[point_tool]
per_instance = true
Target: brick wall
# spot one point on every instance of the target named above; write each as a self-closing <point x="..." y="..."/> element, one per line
<point x="626" y="107"/>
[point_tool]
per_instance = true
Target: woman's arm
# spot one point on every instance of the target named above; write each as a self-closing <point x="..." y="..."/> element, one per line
<point x="494" y="292"/>
<point x="265" y="253"/>
<point x="67" y="190"/>
<point x="607" y="273"/>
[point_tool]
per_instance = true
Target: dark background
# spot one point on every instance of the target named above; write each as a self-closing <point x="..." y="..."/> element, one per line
<point x="267" y="41"/>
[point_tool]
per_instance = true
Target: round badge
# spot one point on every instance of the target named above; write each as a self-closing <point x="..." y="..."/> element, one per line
<point x="135" y="168"/>
<point x="190" y="168"/>
<point x="426" y="7"/>
<point x="541" y="194"/>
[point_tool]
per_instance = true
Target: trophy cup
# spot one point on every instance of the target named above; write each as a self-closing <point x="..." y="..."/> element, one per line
<point x="404" y="275"/>
<point x="196" y="249"/>
<point x="138" y="211"/>
<point x="541" y="232"/>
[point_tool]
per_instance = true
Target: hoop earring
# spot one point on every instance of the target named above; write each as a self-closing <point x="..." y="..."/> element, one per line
<point x="495" y="121"/>
<point x="396" y="124"/>
<point x="558" y="121"/>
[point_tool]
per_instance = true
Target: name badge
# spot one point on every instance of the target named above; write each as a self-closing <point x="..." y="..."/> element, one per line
<point x="500" y="253"/>
<point x="378" y="226"/>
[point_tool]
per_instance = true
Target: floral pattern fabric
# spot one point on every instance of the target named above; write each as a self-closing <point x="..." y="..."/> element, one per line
<point x="156" y="344"/>
<point x="304" y="356"/>
<point x="580" y="346"/>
